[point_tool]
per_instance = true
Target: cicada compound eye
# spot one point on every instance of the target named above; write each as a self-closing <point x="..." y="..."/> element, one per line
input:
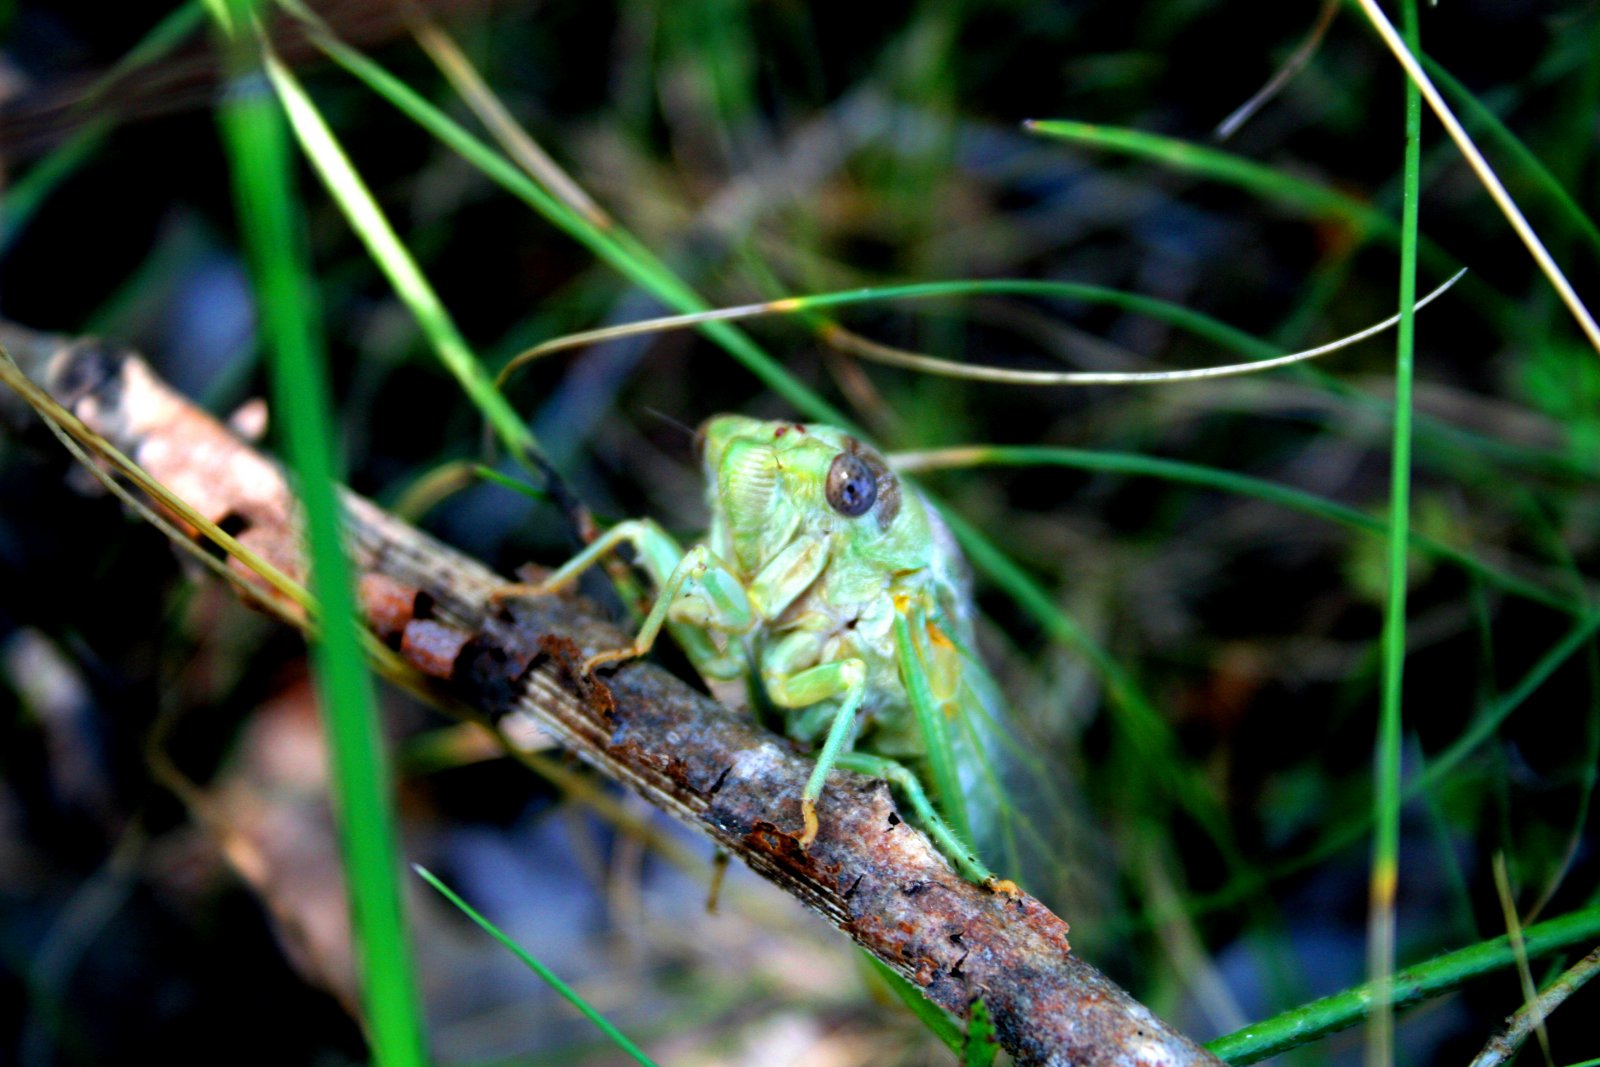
<point x="852" y="486"/>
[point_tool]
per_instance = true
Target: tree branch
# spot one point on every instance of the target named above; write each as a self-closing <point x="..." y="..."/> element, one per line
<point x="870" y="873"/>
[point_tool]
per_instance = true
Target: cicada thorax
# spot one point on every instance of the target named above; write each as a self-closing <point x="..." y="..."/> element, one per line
<point x="839" y="616"/>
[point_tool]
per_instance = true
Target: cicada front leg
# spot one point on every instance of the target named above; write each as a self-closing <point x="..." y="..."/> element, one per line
<point x="695" y="593"/>
<point x="790" y="685"/>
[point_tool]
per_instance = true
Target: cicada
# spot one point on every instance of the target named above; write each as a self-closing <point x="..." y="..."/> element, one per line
<point x="835" y="584"/>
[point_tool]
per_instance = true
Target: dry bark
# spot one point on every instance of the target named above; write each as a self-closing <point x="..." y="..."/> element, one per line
<point x="870" y="873"/>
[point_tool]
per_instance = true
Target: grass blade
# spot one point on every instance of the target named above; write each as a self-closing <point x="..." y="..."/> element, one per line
<point x="1532" y="167"/>
<point x="253" y="131"/>
<point x="1385" y="877"/>
<point x="981" y="1048"/>
<point x="1214" y="164"/>
<point x="549" y="977"/>
<point x="1497" y="192"/>
<point x="927" y="1012"/>
<point x="613" y="246"/>
<point x="391" y="256"/>
<point x="1426" y="980"/>
<point x="1226" y="481"/>
<point x="28" y="193"/>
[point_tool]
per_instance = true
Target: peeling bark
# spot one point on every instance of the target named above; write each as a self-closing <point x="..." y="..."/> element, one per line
<point x="870" y="873"/>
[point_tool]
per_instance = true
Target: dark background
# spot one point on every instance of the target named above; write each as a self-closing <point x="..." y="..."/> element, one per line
<point x="781" y="148"/>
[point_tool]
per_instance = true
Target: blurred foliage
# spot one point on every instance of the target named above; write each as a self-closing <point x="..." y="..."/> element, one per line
<point x="777" y="149"/>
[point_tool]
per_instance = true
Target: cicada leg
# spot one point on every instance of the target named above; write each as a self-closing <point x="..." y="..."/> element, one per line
<point x="719" y="871"/>
<point x="657" y="554"/>
<point x="699" y="592"/>
<point x="845" y="679"/>
<point x="949" y="842"/>
<point x="693" y="588"/>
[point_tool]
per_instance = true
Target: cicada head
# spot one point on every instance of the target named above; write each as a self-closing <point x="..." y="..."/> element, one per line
<point x="770" y="482"/>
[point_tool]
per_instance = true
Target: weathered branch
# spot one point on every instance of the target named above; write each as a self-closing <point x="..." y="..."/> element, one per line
<point x="1504" y="1045"/>
<point x="869" y="872"/>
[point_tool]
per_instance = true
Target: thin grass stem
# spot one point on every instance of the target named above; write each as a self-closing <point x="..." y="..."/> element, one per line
<point x="1385" y="877"/>
<point x="256" y="139"/>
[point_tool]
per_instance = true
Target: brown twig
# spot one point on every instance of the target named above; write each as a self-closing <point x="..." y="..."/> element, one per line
<point x="1503" y="1046"/>
<point x="869" y="872"/>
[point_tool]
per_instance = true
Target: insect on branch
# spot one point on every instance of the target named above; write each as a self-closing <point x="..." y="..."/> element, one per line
<point x="870" y="872"/>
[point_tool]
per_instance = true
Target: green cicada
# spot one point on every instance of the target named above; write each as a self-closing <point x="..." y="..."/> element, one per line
<point x="831" y="580"/>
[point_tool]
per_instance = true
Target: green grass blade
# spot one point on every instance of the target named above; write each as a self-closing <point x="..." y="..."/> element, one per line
<point x="1532" y="168"/>
<point x="1412" y="985"/>
<point x="257" y="144"/>
<point x="928" y="1013"/>
<point x="24" y="196"/>
<point x="612" y="246"/>
<point x="1195" y="322"/>
<point x="397" y="264"/>
<point x="1269" y="183"/>
<point x="981" y="1048"/>
<point x="1444" y="442"/>
<point x="1226" y="481"/>
<point x="1385" y="877"/>
<point x="546" y="975"/>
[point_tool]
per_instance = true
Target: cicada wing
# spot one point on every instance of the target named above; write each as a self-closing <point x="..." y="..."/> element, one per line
<point x="980" y="744"/>
<point x="1019" y="799"/>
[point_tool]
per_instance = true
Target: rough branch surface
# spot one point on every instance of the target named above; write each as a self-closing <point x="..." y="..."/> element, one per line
<point x="870" y="873"/>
